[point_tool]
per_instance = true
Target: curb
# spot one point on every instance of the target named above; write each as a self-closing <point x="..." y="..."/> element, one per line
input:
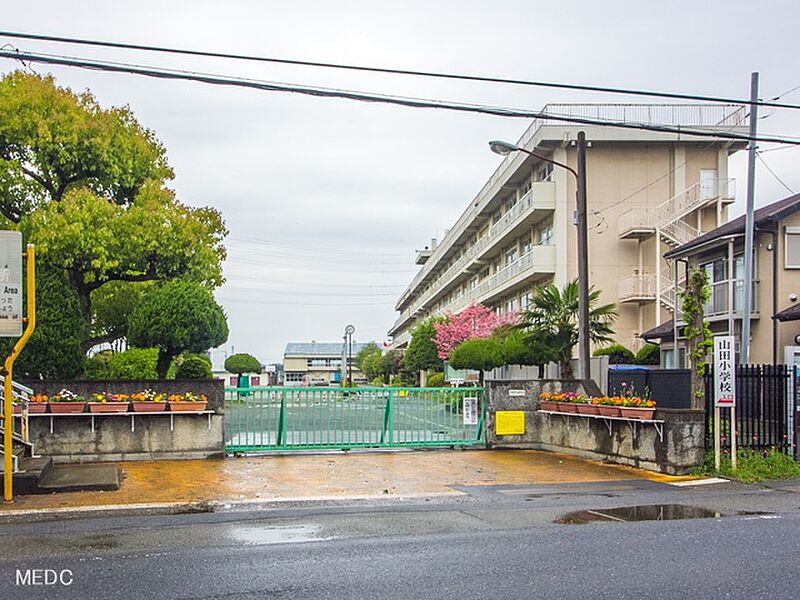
<point x="210" y="506"/>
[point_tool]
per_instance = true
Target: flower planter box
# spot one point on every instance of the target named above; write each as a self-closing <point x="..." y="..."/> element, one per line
<point x="108" y="407"/>
<point x="567" y="407"/>
<point x="637" y="413"/>
<point x="140" y="407"/>
<point x="187" y="406"/>
<point x="548" y="405"/>
<point x="37" y="408"/>
<point x="607" y="410"/>
<point x="66" y="407"/>
<point x="589" y="409"/>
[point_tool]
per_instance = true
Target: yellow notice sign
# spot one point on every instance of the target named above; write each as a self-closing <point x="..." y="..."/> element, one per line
<point x="509" y="422"/>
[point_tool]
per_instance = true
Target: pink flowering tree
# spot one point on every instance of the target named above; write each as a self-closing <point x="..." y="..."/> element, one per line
<point x="474" y="322"/>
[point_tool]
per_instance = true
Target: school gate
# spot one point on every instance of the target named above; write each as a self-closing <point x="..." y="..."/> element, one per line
<point x="261" y="419"/>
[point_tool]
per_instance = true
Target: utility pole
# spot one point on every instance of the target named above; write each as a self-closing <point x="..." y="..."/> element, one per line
<point x="584" y="371"/>
<point x="748" y="223"/>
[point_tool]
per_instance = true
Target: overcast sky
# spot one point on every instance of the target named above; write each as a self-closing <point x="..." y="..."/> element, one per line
<point x="327" y="199"/>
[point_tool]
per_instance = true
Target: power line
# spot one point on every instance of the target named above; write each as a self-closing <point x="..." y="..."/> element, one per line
<point x="376" y="98"/>
<point x="391" y="71"/>
<point x="775" y="175"/>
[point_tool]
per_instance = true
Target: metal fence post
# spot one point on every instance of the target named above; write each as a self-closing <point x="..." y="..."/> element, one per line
<point x="282" y="421"/>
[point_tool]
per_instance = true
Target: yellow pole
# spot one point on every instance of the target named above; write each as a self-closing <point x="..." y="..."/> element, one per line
<point x="8" y="428"/>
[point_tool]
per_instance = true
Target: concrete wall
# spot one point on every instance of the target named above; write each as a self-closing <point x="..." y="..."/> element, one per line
<point x="72" y="438"/>
<point x="114" y="438"/>
<point x="681" y="450"/>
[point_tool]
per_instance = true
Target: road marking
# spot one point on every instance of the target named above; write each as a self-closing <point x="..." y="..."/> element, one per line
<point x="695" y="482"/>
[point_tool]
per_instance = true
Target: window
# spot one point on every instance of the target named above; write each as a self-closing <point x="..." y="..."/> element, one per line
<point x="496" y="216"/>
<point x="525" y="188"/>
<point x="234" y="381"/>
<point x="255" y="381"/>
<point x="511" y="255"/>
<point x="511" y="305"/>
<point x="792" y="254"/>
<point x="525" y="244"/>
<point x="545" y="172"/>
<point x="292" y="377"/>
<point x="545" y="233"/>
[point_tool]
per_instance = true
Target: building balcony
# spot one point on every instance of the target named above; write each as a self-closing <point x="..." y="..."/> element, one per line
<point x="541" y="260"/>
<point x="637" y="288"/>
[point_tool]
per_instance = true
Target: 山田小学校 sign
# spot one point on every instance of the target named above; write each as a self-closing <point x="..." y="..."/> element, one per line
<point x="10" y="284"/>
<point x="724" y="371"/>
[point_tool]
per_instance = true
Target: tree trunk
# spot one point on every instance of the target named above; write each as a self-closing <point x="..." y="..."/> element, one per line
<point x="566" y="369"/>
<point x="162" y="366"/>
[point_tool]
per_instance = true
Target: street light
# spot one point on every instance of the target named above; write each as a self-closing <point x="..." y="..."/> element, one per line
<point x="504" y="149"/>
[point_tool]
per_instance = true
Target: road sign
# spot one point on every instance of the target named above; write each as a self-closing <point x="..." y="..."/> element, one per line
<point x="10" y="284"/>
<point x="724" y="371"/>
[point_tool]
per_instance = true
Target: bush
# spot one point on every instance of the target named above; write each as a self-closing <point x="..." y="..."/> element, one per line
<point x="134" y="363"/>
<point x="435" y="380"/>
<point x="377" y="381"/>
<point x="649" y="354"/>
<point x="478" y="354"/>
<point x="97" y="366"/>
<point x="617" y="354"/>
<point x="242" y="363"/>
<point x="193" y="367"/>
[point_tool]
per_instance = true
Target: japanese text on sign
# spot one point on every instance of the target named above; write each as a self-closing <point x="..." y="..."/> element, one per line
<point x="470" y="410"/>
<point x="10" y="284"/>
<point x="724" y="371"/>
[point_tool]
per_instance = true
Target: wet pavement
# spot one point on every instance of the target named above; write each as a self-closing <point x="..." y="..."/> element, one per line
<point x="333" y="476"/>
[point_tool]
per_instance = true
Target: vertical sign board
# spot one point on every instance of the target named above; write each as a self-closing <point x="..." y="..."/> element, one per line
<point x="10" y="284"/>
<point x="724" y="371"/>
<point x="470" y="412"/>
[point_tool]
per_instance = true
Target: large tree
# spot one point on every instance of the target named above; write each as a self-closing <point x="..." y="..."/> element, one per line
<point x="176" y="317"/>
<point x="422" y="353"/>
<point x="154" y="238"/>
<point x="53" y="140"/>
<point x="551" y="320"/>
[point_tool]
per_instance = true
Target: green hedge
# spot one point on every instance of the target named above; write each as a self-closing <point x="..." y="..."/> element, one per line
<point x="617" y="354"/>
<point x="134" y="363"/>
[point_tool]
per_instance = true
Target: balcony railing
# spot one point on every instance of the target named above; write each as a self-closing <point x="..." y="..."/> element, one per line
<point x="637" y="288"/>
<point x="541" y="259"/>
<point x="540" y="196"/>
<point x="718" y="301"/>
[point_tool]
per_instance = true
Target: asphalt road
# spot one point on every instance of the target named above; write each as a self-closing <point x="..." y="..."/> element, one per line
<point x="491" y="543"/>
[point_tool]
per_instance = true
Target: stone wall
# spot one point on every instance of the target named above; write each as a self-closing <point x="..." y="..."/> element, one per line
<point x="635" y="444"/>
<point x="122" y="437"/>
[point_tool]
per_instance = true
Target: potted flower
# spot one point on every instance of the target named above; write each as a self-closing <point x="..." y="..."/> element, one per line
<point x="66" y="401"/>
<point x="638" y="408"/>
<point x="187" y="402"/>
<point x="548" y="401"/>
<point x="108" y="403"/>
<point x="37" y="404"/>
<point x="608" y="406"/>
<point x="148" y="401"/>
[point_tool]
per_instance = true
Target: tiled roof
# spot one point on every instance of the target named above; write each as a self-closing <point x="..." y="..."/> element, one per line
<point x="664" y="331"/>
<point x="761" y="217"/>
<point x="318" y="348"/>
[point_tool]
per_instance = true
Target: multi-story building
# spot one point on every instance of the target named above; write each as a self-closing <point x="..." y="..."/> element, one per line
<point x="318" y="363"/>
<point x="647" y="192"/>
<point x="776" y="284"/>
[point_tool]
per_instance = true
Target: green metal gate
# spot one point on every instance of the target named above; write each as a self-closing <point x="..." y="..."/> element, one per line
<point x="306" y="418"/>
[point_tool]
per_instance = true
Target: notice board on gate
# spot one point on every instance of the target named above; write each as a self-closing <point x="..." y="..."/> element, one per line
<point x="724" y="371"/>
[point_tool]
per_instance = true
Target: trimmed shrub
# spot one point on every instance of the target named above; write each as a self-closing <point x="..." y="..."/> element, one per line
<point x="649" y="354"/>
<point x="617" y="354"/>
<point x="435" y="380"/>
<point x="97" y="366"/>
<point x="478" y="354"/>
<point x="242" y="363"/>
<point x="193" y="367"/>
<point x="134" y="363"/>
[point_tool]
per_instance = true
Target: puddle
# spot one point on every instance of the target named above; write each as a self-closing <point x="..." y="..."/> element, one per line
<point x="256" y="536"/>
<point x="647" y="512"/>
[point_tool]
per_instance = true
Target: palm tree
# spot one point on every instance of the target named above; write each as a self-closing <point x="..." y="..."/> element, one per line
<point x="552" y="319"/>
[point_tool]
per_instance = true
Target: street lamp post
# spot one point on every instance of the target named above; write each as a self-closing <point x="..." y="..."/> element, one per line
<point x="580" y="221"/>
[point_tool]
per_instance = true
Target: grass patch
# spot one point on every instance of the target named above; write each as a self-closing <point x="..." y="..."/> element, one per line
<point x="754" y="466"/>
